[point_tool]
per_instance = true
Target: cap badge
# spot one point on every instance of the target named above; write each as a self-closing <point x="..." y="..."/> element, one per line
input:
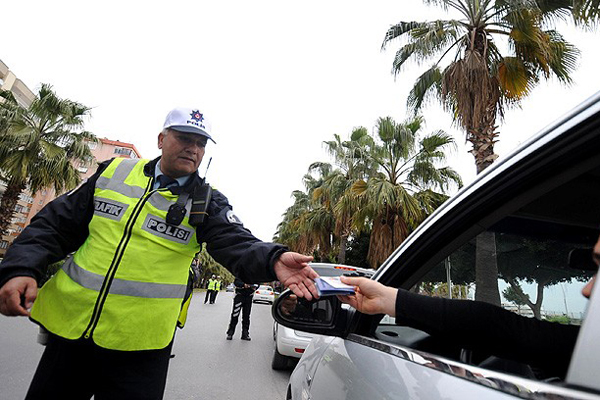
<point x="197" y="116"/>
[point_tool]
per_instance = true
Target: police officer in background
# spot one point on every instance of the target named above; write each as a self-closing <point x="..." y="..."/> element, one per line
<point x="135" y="225"/>
<point x="218" y="287"/>
<point x="210" y="288"/>
<point x="242" y="302"/>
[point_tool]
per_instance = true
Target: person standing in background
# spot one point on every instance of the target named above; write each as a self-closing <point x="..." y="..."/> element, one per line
<point x="212" y="284"/>
<point x="242" y="303"/>
<point x="215" y="292"/>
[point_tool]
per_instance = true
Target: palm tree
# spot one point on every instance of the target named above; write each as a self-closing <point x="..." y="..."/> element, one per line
<point x="307" y="224"/>
<point x="480" y="81"/>
<point x="288" y="230"/>
<point x="402" y="194"/>
<point x="352" y="167"/>
<point x="39" y="145"/>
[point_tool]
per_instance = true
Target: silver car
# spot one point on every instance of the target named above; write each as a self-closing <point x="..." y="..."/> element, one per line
<point x="289" y="344"/>
<point x="523" y="216"/>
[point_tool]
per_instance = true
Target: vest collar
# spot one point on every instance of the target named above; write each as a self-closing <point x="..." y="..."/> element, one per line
<point x="191" y="183"/>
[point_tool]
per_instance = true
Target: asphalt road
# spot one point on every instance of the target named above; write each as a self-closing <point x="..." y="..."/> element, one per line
<point x="206" y="365"/>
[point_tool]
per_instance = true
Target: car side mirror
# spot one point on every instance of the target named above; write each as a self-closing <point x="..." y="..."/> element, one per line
<point x="323" y="316"/>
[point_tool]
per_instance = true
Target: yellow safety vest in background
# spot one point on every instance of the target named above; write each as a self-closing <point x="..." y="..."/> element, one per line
<point x="212" y="284"/>
<point x="125" y="285"/>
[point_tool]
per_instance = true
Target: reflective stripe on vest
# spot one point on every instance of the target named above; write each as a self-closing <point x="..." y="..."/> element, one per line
<point x="150" y="290"/>
<point x="125" y="285"/>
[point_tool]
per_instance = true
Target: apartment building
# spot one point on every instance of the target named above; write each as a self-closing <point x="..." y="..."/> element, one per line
<point x="9" y="81"/>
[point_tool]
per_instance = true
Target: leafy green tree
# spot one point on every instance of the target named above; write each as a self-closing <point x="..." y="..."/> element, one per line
<point x="358" y="250"/>
<point x="345" y="202"/>
<point x="353" y="166"/>
<point x="39" y="146"/>
<point x="540" y="262"/>
<point x="402" y="193"/>
<point x="208" y="266"/>
<point x="515" y="295"/>
<point x="308" y="225"/>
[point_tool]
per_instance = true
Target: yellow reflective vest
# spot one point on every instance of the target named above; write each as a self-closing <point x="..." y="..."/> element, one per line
<point x="124" y="287"/>
<point x="212" y="284"/>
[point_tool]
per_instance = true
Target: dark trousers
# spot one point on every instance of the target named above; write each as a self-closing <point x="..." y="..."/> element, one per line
<point x="74" y="370"/>
<point x="208" y="292"/>
<point x="210" y="295"/>
<point x="241" y="304"/>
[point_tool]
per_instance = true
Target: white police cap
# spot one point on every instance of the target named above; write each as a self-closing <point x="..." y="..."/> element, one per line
<point x="188" y="120"/>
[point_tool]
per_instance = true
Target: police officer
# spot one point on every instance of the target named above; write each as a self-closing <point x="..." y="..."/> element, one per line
<point x="215" y="292"/>
<point x="135" y="225"/>
<point x="212" y="285"/>
<point x="242" y="302"/>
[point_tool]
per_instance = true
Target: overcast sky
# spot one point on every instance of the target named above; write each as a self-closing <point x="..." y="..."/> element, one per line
<point x="275" y="78"/>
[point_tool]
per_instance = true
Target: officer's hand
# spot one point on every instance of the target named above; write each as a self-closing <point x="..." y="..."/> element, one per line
<point x="293" y="271"/>
<point x="17" y="296"/>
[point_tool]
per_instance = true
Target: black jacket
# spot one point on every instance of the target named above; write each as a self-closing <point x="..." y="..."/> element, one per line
<point x="61" y="228"/>
<point x="490" y="330"/>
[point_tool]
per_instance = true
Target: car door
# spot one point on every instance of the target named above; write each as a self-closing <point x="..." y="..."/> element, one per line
<point x="520" y="220"/>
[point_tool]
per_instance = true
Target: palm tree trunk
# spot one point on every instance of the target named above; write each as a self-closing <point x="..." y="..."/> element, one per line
<point x="486" y="269"/>
<point x="8" y="203"/>
<point x="483" y="138"/>
<point x="343" y="244"/>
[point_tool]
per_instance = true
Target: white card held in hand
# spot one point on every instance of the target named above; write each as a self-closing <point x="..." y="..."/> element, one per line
<point x="332" y="285"/>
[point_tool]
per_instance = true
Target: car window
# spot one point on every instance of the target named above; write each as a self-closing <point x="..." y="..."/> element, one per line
<point x="533" y="275"/>
<point x="521" y="263"/>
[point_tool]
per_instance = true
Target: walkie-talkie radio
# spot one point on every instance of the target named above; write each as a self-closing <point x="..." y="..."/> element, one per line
<point x="200" y="200"/>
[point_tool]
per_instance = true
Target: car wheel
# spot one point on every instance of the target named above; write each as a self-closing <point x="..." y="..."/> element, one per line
<point x="279" y="362"/>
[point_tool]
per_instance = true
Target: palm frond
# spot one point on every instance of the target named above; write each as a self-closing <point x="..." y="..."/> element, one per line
<point x="395" y="31"/>
<point x="426" y="41"/>
<point x="586" y="12"/>
<point x="428" y="84"/>
<point x="515" y="78"/>
<point x="563" y="57"/>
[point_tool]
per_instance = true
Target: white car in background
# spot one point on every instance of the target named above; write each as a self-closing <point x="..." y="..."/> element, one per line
<point x="264" y="293"/>
<point x="289" y="344"/>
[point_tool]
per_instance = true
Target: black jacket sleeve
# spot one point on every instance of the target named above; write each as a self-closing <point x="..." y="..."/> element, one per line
<point x="234" y="246"/>
<point x="57" y="230"/>
<point x="492" y="330"/>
